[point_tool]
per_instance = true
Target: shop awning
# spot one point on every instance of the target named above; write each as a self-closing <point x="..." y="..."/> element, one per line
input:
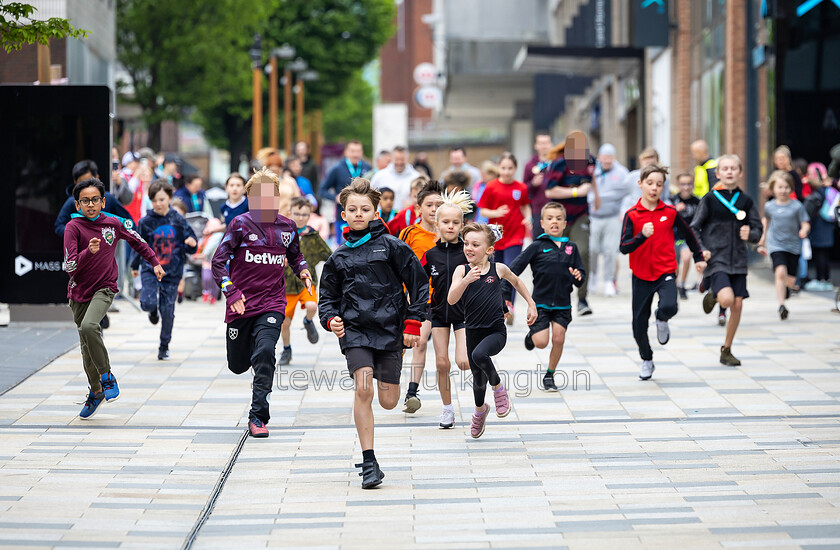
<point x="578" y="61"/>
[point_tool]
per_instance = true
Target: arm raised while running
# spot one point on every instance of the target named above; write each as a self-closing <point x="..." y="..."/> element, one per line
<point x="508" y="275"/>
<point x="460" y="280"/>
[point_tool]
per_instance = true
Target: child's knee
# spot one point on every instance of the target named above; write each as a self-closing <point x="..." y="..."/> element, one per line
<point x="442" y="364"/>
<point x="558" y="338"/>
<point x="88" y="328"/>
<point x="364" y="393"/>
<point x="667" y="310"/>
<point x="388" y="401"/>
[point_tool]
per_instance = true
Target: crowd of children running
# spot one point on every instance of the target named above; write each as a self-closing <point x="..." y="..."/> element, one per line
<point x="419" y="259"/>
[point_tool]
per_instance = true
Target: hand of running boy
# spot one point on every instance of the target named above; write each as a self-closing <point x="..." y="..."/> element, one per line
<point x="745" y="232"/>
<point x="190" y="242"/>
<point x="159" y="272"/>
<point x="472" y="275"/>
<point x="707" y="255"/>
<point x="700" y="266"/>
<point x="575" y="273"/>
<point x="93" y="245"/>
<point x="410" y="340"/>
<point x="803" y="233"/>
<point x="306" y="277"/>
<point x="238" y="306"/>
<point x="761" y="249"/>
<point x="134" y="273"/>
<point x="532" y="314"/>
<point x="502" y="211"/>
<point x="337" y="326"/>
<point x="647" y="229"/>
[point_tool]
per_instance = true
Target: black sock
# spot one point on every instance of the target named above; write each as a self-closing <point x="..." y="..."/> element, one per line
<point x="367" y="456"/>
<point x="289" y="347"/>
<point x="412" y="388"/>
<point x="306" y="321"/>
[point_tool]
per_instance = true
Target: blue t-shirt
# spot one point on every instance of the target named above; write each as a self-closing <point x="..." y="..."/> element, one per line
<point x="230" y="211"/>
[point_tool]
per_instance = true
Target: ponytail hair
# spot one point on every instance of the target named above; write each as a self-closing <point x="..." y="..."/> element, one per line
<point x="492" y="232"/>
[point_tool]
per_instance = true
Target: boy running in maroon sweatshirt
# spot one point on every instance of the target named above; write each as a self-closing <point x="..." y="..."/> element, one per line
<point x="647" y="234"/>
<point x="249" y="265"/>
<point x="90" y="241"/>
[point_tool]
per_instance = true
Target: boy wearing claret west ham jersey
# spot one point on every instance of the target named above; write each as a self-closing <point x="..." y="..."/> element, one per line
<point x="255" y="248"/>
<point x="647" y="234"/>
<point x="90" y="241"/>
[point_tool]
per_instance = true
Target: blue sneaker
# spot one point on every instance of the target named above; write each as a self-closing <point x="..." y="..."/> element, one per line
<point x="110" y="387"/>
<point x="92" y="404"/>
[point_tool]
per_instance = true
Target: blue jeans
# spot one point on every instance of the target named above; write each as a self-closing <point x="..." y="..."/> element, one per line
<point x="159" y="296"/>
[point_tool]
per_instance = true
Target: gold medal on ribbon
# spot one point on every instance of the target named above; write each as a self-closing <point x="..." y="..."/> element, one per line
<point x="740" y="215"/>
<point x="536" y="170"/>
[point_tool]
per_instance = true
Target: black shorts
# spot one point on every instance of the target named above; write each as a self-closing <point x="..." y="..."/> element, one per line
<point x="440" y="323"/>
<point x="791" y="261"/>
<point x="387" y="365"/>
<point x="721" y="280"/>
<point x="547" y="316"/>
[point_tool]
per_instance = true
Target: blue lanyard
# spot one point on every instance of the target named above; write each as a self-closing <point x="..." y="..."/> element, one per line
<point x="360" y="242"/>
<point x="354" y="172"/>
<point x="728" y="204"/>
<point x="196" y="207"/>
<point x="555" y="239"/>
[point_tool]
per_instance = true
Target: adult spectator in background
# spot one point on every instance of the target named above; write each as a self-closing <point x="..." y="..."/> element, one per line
<point x="705" y="176"/>
<point x="139" y="181"/>
<point x="458" y="161"/>
<point x="193" y="195"/>
<point x="351" y="166"/>
<point x="383" y="159"/>
<point x="308" y="168"/>
<point x="398" y="176"/>
<point x="270" y="158"/>
<point x="783" y="160"/>
<point x="649" y="155"/>
<point x="534" y="177"/>
<point x="605" y="218"/>
<point x="168" y="170"/>
<point x="421" y="164"/>
<point x="569" y="181"/>
<point x="294" y="167"/>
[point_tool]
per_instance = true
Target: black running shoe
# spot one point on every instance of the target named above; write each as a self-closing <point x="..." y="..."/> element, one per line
<point x="583" y="308"/>
<point x="285" y="357"/>
<point x="163" y="353"/>
<point x="154" y="317"/>
<point x="708" y="302"/>
<point x="529" y="343"/>
<point x="371" y="474"/>
<point x="548" y="383"/>
<point x="105" y="322"/>
<point x="683" y="295"/>
<point x="311" y="331"/>
<point x="783" y="312"/>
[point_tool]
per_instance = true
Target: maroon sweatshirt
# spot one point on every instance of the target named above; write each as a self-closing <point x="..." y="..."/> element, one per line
<point x="257" y="253"/>
<point x="91" y="272"/>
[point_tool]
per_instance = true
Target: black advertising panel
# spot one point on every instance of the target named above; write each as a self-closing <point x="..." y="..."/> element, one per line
<point x="650" y="23"/>
<point x="44" y="131"/>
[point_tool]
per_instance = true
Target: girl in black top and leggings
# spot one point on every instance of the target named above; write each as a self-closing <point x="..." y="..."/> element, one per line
<point x="478" y="287"/>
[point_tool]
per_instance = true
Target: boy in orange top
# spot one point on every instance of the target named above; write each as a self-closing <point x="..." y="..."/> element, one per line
<point x="421" y="237"/>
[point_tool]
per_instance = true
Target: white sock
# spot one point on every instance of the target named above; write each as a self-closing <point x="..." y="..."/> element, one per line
<point x="449" y="408"/>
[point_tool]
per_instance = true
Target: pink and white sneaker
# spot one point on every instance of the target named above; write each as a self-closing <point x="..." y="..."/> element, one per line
<point x="478" y="420"/>
<point x="500" y="395"/>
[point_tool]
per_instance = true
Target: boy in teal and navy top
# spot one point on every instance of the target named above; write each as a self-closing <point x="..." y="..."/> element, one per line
<point x="90" y="241"/>
<point x="557" y="266"/>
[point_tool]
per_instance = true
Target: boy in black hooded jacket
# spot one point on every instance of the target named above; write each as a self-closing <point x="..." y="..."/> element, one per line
<point x="362" y="302"/>
<point x="557" y="265"/>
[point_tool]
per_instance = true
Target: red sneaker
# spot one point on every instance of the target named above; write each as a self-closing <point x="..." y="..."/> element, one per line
<point x="257" y="428"/>
<point x="212" y="300"/>
<point x="205" y="297"/>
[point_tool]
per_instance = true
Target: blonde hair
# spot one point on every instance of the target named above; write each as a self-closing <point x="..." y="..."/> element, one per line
<point x="492" y="232"/>
<point x="730" y="156"/>
<point x="779" y="175"/>
<point x="456" y="199"/>
<point x="260" y="176"/>
<point x="265" y="153"/>
<point x="489" y="167"/>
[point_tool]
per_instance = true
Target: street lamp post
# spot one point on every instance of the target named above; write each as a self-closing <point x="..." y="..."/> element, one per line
<point x="256" y="103"/>
<point x="295" y="66"/>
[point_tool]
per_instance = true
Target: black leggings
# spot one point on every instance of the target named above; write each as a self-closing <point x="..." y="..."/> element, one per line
<point x="822" y="263"/>
<point x="643" y="292"/>
<point x="482" y="344"/>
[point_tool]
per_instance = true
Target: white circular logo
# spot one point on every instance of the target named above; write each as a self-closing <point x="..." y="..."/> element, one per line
<point x="428" y="97"/>
<point x="425" y="74"/>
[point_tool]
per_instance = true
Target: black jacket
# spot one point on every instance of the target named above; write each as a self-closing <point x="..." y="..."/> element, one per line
<point x="718" y="230"/>
<point x="550" y="266"/>
<point x="440" y="263"/>
<point x="362" y="284"/>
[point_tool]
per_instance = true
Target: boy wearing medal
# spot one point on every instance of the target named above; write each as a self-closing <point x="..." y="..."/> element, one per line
<point x="725" y="220"/>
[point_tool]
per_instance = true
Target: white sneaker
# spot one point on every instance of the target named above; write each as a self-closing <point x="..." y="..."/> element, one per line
<point x="609" y="289"/>
<point x="447" y="419"/>
<point x="663" y="332"/>
<point x="647" y="370"/>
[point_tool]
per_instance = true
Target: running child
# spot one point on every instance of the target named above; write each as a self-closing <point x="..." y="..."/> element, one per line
<point x="237" y="202"/>
<point x="421" y="237"/>
<point x="725" y="221"/>
<point x="479" y="288"/>
<point x="315" y="250"/>
<point x="171" y="238"/>
<point x="409" y="214"/>
<point x="556" y="266"/>
<point x="248" y="265"/>
<point x="362" y="302"/>
<point x="90" y="241"/>
<point x="647" y="235"/>
<point x="386" y="205"/>
<point x="686" y="202"/>
<point x="785" y="223"/>
<point x="505" y="202"/>
<point x="440" y="262"/>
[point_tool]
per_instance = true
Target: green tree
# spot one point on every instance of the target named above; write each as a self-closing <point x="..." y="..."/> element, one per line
<point x="15" y="33"/>
<point x="184" y="54"/>
<point x="350" y="115"/>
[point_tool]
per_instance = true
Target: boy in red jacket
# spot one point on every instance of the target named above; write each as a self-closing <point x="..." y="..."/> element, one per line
<point x="648" y="236"/>
<point x="90" y="242"/>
